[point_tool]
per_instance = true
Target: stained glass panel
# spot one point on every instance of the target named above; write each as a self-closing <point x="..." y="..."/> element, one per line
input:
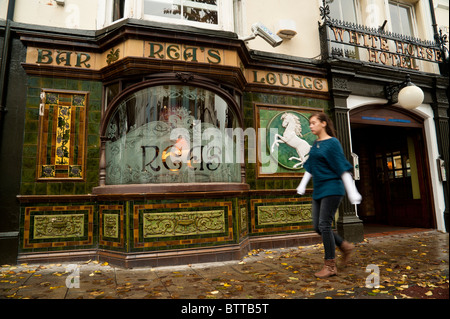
<point x="62" y="135"/>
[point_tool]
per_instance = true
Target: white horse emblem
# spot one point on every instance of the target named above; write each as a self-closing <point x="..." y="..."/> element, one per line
<point x="292" y="137"/>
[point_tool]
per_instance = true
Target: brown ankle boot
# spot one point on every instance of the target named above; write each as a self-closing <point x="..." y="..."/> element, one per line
<point x="347" y="249"/>
<point x="329" y="269"/>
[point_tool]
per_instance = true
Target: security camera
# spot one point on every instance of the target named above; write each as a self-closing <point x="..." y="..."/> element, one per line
<point x="261" y="30"/>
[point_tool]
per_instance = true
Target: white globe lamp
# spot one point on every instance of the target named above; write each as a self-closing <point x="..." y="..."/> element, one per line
<point x="411" y="96"/>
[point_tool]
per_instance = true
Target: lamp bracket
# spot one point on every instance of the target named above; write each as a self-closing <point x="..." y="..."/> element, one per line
<point x="391" y="90"/>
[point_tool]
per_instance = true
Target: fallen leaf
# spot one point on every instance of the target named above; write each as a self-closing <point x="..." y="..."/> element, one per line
<point x="97" y="293"/>
<point x="56" y="287"/>
<point x="429" y="293"/>
<point x="290" y="291"/>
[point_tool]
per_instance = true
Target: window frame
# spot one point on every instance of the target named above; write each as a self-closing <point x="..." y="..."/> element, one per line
<point x="356" y="7"/>
<point x="135" y="9"/>
<point x="414" y="27"/>
<point x="224" y="12"/>
<point x="412" y="12"/>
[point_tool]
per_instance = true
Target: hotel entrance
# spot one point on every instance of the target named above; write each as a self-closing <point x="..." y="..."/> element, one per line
<point x="394" y="170"/>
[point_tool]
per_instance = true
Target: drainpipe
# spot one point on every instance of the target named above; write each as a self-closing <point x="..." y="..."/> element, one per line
<point x="6" y="50"/>
<point x="433" y="20"/>
<point x="443" y="68"/>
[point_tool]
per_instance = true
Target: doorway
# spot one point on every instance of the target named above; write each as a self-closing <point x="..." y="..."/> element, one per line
<point x="394" y="174"/>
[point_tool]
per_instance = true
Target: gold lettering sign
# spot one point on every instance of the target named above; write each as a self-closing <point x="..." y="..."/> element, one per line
<point x="181" y="52"/>
<point x="134" y="48"/>
<point x="385" y="48"/>
<point x="171" y="52"/>
<point x="287" y="80"/>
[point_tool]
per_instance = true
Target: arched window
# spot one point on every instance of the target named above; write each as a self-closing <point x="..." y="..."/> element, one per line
<point x="170" y="133"/>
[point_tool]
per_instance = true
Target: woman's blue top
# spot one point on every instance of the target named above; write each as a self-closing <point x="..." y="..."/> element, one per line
<point x="326" y="163"/>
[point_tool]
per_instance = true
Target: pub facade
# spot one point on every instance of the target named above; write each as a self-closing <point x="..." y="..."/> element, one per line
<point x="142" y="141"/>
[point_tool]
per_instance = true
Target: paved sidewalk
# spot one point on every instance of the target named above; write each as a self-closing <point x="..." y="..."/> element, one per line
<point x="410" y="265"/>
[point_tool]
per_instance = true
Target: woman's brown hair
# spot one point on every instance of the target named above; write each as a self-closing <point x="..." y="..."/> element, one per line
<point x="322" y="117"/>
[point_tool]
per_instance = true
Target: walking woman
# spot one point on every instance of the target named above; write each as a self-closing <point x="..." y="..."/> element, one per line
<point x="330" y="171"/>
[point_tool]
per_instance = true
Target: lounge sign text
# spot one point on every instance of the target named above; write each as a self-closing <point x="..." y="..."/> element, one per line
<point x="287" y="80"/>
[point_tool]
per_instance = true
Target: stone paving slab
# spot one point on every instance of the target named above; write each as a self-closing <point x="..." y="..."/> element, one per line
<point x="410" y="265"/>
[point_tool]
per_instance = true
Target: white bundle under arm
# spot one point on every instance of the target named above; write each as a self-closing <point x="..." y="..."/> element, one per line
<point x="350" y="188"/>
<point x="301" y="189"/>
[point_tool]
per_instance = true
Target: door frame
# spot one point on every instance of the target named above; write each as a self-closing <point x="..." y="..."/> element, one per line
<point x="389" y="115"/>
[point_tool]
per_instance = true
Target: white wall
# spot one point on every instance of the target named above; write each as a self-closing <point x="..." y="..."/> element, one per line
<point x="75" y="14"/>
<point x="305" y="14"/>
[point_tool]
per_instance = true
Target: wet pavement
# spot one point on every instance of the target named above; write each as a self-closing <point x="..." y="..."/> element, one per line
<point x="395" y="265"/>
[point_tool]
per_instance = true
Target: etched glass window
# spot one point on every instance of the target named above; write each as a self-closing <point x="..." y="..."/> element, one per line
<point x="171" y="134"/>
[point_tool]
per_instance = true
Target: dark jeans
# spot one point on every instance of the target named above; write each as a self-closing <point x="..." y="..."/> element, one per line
<point x="323" y="211"/>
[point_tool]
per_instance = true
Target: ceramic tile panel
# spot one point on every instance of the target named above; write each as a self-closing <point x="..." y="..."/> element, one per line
<point x="58" y="226"/>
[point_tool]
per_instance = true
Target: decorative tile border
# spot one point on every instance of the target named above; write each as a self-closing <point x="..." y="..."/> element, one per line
<point x="243" y="218"/>
<point x="284" y="214"/>
<point x="183" y="223"/>
<point x="141" y="226"/>
<point x="111" y="225"/>
<point x="152" y="227"/>
<point x="288" y="214"/>
<point x="58" y="226"/>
